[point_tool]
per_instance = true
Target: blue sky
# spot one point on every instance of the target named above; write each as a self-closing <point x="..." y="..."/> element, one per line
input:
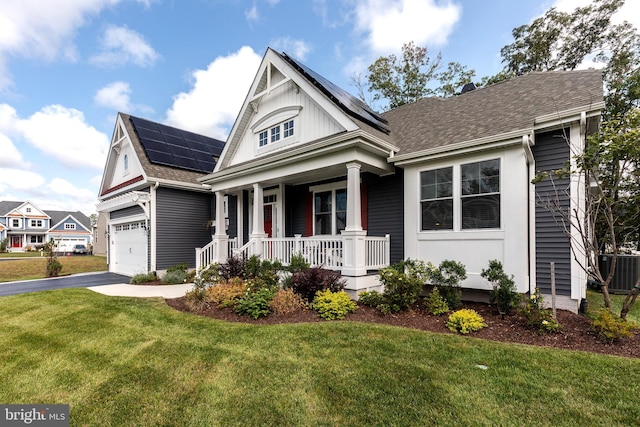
<point x="67" y="67"/>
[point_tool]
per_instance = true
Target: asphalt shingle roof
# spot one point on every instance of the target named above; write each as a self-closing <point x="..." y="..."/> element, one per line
<point x="501" y="108"/>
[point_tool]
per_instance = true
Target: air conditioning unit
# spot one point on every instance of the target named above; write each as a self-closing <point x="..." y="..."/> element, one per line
<point x="627" y="272"/>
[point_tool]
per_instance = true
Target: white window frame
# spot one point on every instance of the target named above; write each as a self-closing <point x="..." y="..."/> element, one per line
<point x="15" y="223"/>
<point x="457" y="195"/>
<point x="274" y="125"/>
<point x="36" y="223"/>
<point x="69" y="226"/>
<point x="324" y="188"/>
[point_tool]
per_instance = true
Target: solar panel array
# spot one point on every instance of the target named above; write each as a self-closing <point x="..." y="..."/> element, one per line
<point x="177" y="148"/>
<point x="349" y="103"/>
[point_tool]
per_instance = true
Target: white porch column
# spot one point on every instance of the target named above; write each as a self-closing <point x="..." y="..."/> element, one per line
<point x="257" y="231"/>
<point x="353" y="236"/>
<point x="220" y="237"/>
<point x="354" y="220"/>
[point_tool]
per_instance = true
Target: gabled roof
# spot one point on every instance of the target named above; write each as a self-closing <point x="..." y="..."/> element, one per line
<point x="343" y="99"/>
<point x="505" y="107"/>
<point x="58" y="217"/>
<point x="7" y="206"/>
<point x="163" y="152"/>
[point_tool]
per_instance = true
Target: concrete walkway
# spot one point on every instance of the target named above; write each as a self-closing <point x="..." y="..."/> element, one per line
<point x="142" y="291"/>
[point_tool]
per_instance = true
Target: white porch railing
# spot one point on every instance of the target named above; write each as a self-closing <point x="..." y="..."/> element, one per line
<point x="207" y="255"/>
<point x="326" y="251"/>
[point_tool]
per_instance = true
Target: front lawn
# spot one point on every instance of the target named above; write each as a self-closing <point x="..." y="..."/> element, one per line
<point x="34" y="268"/>
<point x="125" y="361"/>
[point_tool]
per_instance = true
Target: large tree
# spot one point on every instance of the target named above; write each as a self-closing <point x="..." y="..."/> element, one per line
<point x="412" y="76"/>
<point x="564" y="41"/>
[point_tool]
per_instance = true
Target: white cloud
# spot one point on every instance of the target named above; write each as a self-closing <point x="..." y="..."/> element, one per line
<point x="299" y="49"/>
<point x="10" y="154"/>
<point x="217" y="94"/>
<point x="630" y="11"/>
<point x="115" y="95"/>
<point x="252" y="15"/>
<point x="65" y="188"/>
<point x="390" y="24"/>
<point x="120" y="45"/>
<point x="59" y="132"/>
<point x="21" y="180"/>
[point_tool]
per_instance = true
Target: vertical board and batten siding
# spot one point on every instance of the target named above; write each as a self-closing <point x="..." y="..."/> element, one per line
<point x="551" y="151"/>
<point x="311" y="124"/>
<point x="180" y="226"/>
<point x="385" y="202"/>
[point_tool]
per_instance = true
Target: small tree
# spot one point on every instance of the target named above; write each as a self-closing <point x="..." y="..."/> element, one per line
<point x="609" y="215"/>
<point x="53" y="267"/>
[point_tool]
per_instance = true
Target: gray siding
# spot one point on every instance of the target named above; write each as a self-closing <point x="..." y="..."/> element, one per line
<point x="551" y="151"/>
<point x="232" y="205"/>
<point x="385" y="209"/>
<point x="296" y="210"/>
<point x="126" y="212"/>
<point x="180" y="226"/>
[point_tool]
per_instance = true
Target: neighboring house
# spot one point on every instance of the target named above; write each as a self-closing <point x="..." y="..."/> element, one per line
<point x="155" y="209"/>
<point x="308" y="168"/>
<point x="27" y="227"/>
<point x="100" y="235"/>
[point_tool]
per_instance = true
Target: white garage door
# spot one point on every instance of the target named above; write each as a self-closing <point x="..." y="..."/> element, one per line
<point x="128" y="248"/>
<point x="66" y="245"/>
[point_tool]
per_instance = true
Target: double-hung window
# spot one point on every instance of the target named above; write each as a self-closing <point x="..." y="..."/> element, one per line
<point x="480" y="198"/>
<point x="436" y="199"/>
<point x="461" y="197"/>
<point x="36" y="223"/>
<point x="330" y="211"/>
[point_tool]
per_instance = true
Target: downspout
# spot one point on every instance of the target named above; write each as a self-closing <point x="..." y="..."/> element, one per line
<point x="151" y="222"/>
<point x="527" y="142"/>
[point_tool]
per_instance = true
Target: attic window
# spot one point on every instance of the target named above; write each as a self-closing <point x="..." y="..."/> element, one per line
<point x="28" y="210"/>
<point x="276" y="133"/>
<point x="69" y="226"/>
<point x="126" y="163"/>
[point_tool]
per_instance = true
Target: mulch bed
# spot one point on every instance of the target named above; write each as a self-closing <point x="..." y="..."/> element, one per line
<point x="575" y="334"/>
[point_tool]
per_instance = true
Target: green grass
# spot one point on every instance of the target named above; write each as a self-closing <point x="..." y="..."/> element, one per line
<point x="34" y="268"/>
<point x="125" y="361"/>
<point x="19" y="254"/>
<point x="596" y="302"/>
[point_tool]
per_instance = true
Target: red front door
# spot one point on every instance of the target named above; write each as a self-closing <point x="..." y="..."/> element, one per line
<point x="268" y="220"/>
<point x="16" y="241"/>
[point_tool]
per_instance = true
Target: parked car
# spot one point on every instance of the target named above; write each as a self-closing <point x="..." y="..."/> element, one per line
<point x="79" y="249"/>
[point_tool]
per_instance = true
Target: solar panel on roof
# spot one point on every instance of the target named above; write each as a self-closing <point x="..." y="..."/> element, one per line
<point x="349" y="103"/>
<point x="173" y="147"/>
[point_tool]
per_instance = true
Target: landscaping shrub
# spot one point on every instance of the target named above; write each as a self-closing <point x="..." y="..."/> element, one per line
<point x="54" y="267"/>
<point x="174" y="277"/>
<point x="465" y="321"/>
<point x="255" y="304"/>
<point x="227" y="293"/>
<point x="143" y="278"/>
<point x="504" y="293"/>
<point x="333" y="305"/>
<point x="447" y="277"/>
<point x="536" y="316"/>
<point x="208" y="275"/>
<point x="307" y="282"/>
<point x="179" y="267"/>
<point x="234" y="267"/>
<point x="370" y="298"/>
<point x="285" y="301"/>
<point x="298" y="263"/>
<point x="611" y="328"/>
<point x="403" y="282"/>
<point x="435" y="304"/>
<point x="3" y="244"/>
<point x="197" y="299"/>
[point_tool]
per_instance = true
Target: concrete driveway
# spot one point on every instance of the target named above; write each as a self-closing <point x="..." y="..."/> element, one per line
<point x="74" y="281"/>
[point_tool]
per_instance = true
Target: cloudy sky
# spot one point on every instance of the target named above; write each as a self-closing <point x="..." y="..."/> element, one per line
<point x="68" y="66"/>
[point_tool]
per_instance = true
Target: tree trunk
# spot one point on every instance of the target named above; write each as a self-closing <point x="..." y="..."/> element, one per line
<point x="607" y="297"/>
<point x="630" y="300"/>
